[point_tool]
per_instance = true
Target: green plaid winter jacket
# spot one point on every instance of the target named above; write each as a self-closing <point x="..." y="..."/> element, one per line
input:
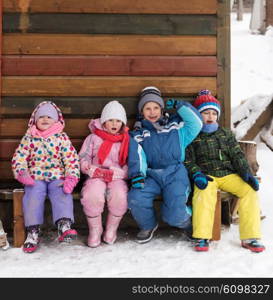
<point x="217" y="154"/>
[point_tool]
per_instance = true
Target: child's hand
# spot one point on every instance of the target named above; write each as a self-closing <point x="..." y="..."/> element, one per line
<point x="25" y="178"/>
<point x="201" y="180"/>
<point x="104" y="174"/>
<point x="118" y="173"/>
<point x="69" y="183"/>
<point x="251" y="180"/>
<point x="85" y="166"/>
<point x="107" y="175"/>
<point x="138" y="182"/>
<point x="171" y="103"/>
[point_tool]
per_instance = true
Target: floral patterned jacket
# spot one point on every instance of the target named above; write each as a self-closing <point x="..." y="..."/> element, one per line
<point x="48" y="158"/>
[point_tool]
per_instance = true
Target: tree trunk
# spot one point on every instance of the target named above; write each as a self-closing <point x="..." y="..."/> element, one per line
<point x="240" y="10"/>
<point x="257" y="21"/>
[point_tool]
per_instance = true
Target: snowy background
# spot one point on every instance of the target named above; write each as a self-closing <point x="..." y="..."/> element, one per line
<point x="168" y="255"/>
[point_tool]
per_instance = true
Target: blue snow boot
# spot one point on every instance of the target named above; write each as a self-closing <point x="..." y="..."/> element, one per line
<point x="201" y="245"/>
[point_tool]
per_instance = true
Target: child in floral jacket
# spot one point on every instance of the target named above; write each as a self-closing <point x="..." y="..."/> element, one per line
<point x="46" y="163"/>
<point x="215" y="161"/>
<point x="103" y="159"/>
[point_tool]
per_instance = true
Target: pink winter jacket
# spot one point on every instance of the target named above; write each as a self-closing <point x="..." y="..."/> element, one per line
<point x="89" y="150"/>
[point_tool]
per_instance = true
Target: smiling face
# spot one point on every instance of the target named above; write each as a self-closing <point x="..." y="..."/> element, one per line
<point x="113" y="126"/>
<point x="44" y="123"/>
<point x="152" y="111"/>
<point x="209" y="116"/>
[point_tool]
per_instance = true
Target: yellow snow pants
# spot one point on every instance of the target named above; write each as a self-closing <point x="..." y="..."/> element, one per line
<point x="204" y="202"/>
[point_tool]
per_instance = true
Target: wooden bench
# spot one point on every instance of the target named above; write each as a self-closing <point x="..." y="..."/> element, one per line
<point x="19" y="234"/>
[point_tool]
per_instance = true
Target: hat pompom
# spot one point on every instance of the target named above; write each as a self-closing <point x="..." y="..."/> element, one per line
<point x="204" y="92"/>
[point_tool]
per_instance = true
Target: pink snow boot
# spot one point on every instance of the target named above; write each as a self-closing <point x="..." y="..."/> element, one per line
<point x="110" y="234"/>
<point x="95" y="231"/>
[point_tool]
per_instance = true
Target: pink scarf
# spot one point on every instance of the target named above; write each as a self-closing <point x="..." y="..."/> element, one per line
<point x="55" y="128"/>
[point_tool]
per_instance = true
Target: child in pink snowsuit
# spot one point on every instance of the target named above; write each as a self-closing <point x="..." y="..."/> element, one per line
<point x="46" y="163"/>
<point x="103" y="157"/>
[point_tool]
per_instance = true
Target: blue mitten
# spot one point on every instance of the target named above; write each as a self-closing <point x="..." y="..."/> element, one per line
<point x="171" y="103"/>
<point x="201" y="180"/>
<point x="138" y="182"/>
<point x="251" y="180"/>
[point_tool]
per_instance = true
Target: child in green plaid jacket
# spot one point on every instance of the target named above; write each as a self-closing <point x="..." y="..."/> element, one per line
<point x="215" y="161"/>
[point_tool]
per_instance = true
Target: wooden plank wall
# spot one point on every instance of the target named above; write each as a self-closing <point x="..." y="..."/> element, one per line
<point x="84" y="53"/>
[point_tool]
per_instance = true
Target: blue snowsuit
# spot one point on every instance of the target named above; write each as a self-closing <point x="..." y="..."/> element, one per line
<point x="157" y="152"/>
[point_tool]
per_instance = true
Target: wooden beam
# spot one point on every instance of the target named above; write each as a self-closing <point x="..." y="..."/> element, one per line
<point x="113" y="86"/>
<point x="1" y="46"/>
<point x="263" y="119"/>
<point x="14" y="65"/>
<point x="223" y="59"/>
<point x="71" y="107"/>
<point x="67" y="23"/>
<point x="79" y="44"/>
<point x="113" y="6"/>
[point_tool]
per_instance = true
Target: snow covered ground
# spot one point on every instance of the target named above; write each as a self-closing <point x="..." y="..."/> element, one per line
<point x="168" y="255"/>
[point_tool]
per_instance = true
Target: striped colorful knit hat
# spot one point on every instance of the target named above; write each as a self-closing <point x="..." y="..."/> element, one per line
<point x="205" y="100"/>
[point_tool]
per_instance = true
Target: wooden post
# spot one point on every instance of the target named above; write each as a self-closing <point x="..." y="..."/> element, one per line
<point x="223" y="60"/>
<point x="249" y="148"/>
<point x="18" y="218"/>
<point x="234" y="210"/>
<point x="269" y="13"/>
<point x="216" y="231"/>
<point x="0" y="51"/>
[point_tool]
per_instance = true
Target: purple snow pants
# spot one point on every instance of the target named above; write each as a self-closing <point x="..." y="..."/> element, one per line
<point x="34" y="200"/>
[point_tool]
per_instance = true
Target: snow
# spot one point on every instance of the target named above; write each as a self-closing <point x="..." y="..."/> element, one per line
<point x="248" y="112"/>
<point x="168" y="255"/>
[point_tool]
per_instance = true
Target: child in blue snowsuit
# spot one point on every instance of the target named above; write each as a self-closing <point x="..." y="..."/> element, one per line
<point x="156" y="155"/>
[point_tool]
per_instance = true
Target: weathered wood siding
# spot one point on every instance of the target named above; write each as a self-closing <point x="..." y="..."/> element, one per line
<point x="84" y="53"/>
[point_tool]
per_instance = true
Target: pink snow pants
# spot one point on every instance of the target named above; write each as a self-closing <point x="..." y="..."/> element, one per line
<point x="96" y="192"/>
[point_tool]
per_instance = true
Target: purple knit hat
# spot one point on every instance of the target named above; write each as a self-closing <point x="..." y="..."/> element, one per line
<point x="46" y="110"/>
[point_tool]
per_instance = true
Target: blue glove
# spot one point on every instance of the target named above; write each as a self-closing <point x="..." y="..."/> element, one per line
<point x="171" y="103"/>
<point x="201" y="180"/>
<point x="251" y="180"/>
<point x="138" y="182"/>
